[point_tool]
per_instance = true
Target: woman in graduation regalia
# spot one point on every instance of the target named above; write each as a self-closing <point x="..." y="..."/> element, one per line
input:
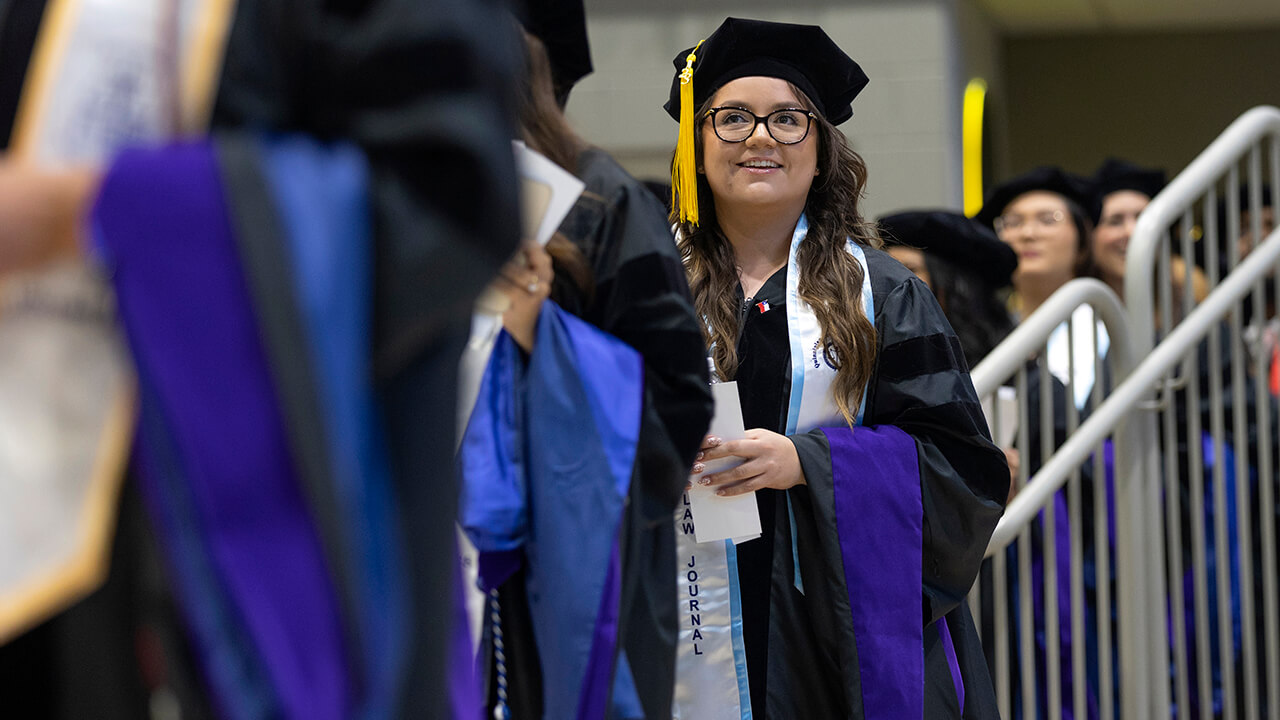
<point x="877" y="482"/>
<point x="588" y="429"/>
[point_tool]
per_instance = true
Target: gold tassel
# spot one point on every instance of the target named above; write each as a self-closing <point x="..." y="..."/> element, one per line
<point x="684" y="170"/>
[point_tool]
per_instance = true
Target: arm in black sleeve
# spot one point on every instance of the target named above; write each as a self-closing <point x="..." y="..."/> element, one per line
<point x="922" y="387"/>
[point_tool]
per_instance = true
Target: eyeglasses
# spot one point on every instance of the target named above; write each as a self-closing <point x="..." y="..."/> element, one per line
<point x="1013" y="223"/>
<point x="734" y="124"/>
<point x="1118" y="219"/>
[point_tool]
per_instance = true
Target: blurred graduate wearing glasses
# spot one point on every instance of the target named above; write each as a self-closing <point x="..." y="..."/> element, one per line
<point x="878" y="485"/>
<point x="295" y="293"/>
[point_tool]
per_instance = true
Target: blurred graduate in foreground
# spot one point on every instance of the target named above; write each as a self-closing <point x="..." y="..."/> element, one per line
<point x="294" y="289"/>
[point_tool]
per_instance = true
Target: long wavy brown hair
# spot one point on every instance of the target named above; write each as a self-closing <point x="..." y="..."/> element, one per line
<point x="830" y="278"/>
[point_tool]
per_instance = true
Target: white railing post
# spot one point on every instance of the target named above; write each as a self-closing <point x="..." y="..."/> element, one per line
<point x="1174" y="202"/>
<point x="1129" y="416"/>
<point x="1167" y="207"/>
<point x="1009" y="356"/>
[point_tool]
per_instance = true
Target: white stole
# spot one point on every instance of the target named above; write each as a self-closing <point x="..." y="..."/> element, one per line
<point x="103" y="74"/>
<point x="1077" y="356"/>
<point x="711" y="665"/>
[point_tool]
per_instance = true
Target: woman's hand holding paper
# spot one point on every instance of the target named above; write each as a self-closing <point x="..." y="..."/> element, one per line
<point x="526" y="282"/>
<point x="769" y="461"/>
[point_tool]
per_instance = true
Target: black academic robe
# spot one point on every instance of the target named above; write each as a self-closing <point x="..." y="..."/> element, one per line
<point x="423" y="89"/>
<point x="802" y="657"/>
<point x="640" y="296"/>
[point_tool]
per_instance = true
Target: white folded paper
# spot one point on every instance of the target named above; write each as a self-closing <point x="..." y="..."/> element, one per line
<point x="548" y="192"/>
<point x="715" y="518"/>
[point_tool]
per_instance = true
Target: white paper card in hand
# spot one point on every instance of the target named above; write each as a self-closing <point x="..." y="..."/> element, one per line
<point x="564" y="186"/>
<point x="724" y="518"/>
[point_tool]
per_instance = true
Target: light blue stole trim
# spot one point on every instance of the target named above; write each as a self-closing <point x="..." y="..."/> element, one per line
<point x="793" y="311"/>
<point x="869" y="307"/>
<point x="739" y="648"/>
<point x="795" y="308"/>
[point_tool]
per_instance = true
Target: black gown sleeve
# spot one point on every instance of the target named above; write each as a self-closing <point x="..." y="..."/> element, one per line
<point x="921" y="385"/>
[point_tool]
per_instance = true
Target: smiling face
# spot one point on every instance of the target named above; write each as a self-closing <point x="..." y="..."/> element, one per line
<point x="1120" y="211"/>
<point x="759" y="172"/>
<point x="1038" y="226"/>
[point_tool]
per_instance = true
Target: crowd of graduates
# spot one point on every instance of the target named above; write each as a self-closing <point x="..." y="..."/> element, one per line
<point x="296" y="285"/>
<point x="1062" y="226"/>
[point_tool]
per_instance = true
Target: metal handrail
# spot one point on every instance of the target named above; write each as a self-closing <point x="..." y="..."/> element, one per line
<point x="1032" y="333"/>
<point x="1126" y="412"/>
<point x="1175" y="203"/>
<point x="1124" y="398"/>
<point x="1010" y="355"/>
<point x="1140" y="669"/>
<point x="1169" y="205"/>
